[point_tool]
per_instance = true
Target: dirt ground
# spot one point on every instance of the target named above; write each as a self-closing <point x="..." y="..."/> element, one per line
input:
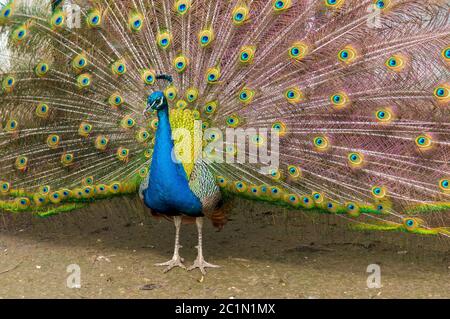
<point x="264" y="253"/>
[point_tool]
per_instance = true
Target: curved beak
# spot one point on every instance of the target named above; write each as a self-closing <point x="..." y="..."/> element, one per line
<point x="150" y="107"/>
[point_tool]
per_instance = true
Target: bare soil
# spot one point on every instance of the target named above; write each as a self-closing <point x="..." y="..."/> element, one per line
<point x="264" y="253"/>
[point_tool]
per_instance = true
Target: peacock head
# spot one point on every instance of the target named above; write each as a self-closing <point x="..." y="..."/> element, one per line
<point x="156" y="101"/>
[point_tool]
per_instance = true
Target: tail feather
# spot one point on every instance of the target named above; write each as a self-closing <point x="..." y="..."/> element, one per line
<point x="358" y="92"/>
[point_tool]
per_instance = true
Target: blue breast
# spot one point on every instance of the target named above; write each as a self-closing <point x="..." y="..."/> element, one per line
<point x="168" y="191"/>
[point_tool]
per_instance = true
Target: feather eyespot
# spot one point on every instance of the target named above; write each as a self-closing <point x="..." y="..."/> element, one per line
<point x="4" y="187"/>
<point x="7" y="11"/>
<point x="446" y="54"/>
<point x="233" y="121"/>
<point x="148" y="77"/>
<point x="164" y="39"/>
<point x="348" y="55"/>
<point x="12" y="126"/>
<point x="135" y="21"/>
<point x="293" y="95"/>
<point x="279" y="127"/>
<point x="8" y="83"/>
<point x="119" y="68"/>
<point x="247" y="54"/>
<point x="281" y="5"/>
<point x="442" y="93"/>
<point x="41" y="69"/>
<point x="298" y="50"/>
<point x="171" y="93"/>
<point x="355" y="159"/>
<point x="101" y="142"/>
<point x="115" y="187"/>
<point x="180" y="63"/>
<point x="411" y="224"/>
<point x="246" y="95"/>
<point x="21" y="163"/>
<point x="212" y="75"/>
<point x="20" y="33"/>
<point x="294" y="172"/>
<point x="210" y="107"/>
<point x="240" y="15"/>
<point x="79" y="62"/>
<point x="115" y="100"/>
<point x="84" y="80"/>
<point x="240" y="186"/>
<point x="182" y="6"/>
<point x="191" y="95"/>
<point x="396" y="63"/>
<point x="384" y="115"/>
<point x="275" y="174"/>
<point x="127" y="122"/>
<point x="53" y="140"/>
<point x="22" y="202"/>
<point x="379" y="192"/>
<point x="424" y="142"/>
<point x="321" y="143"/>
<point x="307" y="202"/>
<point x="44" y="189"/>
<point x="94" y="18"/>
<point x="181" y="104"/>
<point x="85" y="129"/>
<point x="382" y="4"/>
<point x="352" y="209"/>
<point x="143" y="172"/>
<point x="142" y="136"/>
<point x="334" y="4"/>
<point x="87" y="181"/>
<point x="122" y="153"/>
<point x="42" y="110"/>
<point x="57" y="19"/>
<point x="292" y="199"/>
<point x="444" y="185"/>
<point x="317" y="197"/>
<point x="340" y="100"/>
<point x="257" y="140"/>
<point x="67" y="159"/>
<point x="206" y="37"/>
<point x="275" y="192"/>
<point x="221" y="181"/>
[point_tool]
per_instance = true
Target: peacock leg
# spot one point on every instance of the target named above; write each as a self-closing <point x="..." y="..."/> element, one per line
<point x="176" y="260"/>
<point x="200" y="262"/>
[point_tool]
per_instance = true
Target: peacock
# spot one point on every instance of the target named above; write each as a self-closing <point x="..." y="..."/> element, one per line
<point x="333" y="106"/>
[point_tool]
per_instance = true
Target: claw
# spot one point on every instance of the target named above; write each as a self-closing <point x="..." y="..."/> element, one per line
<point x="174" y="262"/>
<point x="201" y="264"/>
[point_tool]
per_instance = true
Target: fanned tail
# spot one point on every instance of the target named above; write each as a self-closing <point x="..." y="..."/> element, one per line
<point x="357" y="92"/>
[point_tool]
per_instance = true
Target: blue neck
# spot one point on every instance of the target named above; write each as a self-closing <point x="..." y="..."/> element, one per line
<point x="168" y="190"/>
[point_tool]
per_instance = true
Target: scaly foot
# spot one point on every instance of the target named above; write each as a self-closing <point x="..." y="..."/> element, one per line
<point x="176" y="261"/>
<point x="201" y="264"/>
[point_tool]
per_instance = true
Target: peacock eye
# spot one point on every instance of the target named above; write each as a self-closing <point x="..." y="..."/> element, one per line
<point x="444" y="184"/>
<point x="281" y="5"/>
<point x="424" y="141"/>
<point x="206" y="37"/>
<point x="321" y="143"/>
<point x="135" y="21"/>
<point x="446" y="53"/>
<point x="355" y="159"/>
<point x="381" y="4"/>
<point x="298" y="50"/>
